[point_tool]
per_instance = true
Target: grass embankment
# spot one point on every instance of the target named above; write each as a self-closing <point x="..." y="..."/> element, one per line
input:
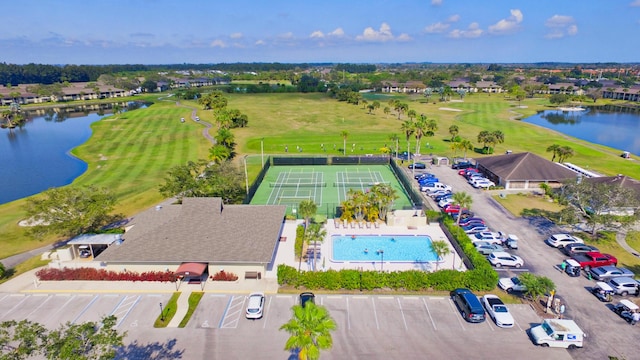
<point x="520" y="204"/>
<point x="30" y="264"/>
<point x="131" y="153"/>
<point x="633" y="240"/>
<point x="168" y="311"/>
<point x="194" y="300"/>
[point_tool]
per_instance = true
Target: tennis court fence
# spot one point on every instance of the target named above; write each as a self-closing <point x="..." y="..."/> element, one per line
<point x="355" y="184"/>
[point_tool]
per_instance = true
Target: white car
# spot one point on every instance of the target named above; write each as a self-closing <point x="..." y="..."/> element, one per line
<point x="501" y="258"/>
<point x="511" y="284"/>
<point x="445" y="201"/>
<point x="488" y="236"/>
<point x="435" y="186"/>
<point x="255" y="307"/>
<point x="484" y="184"/>
<point x="562" y="240"/>
<point x="498" y="311"/>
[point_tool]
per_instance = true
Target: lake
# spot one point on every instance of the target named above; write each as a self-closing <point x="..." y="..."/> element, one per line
<point x="618" y="130"/>
<point x="36" y="156"/>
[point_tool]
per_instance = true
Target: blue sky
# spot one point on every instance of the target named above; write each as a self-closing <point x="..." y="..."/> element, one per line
<point x="292" y="31"/>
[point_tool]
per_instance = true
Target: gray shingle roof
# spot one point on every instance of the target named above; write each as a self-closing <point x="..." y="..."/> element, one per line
<point x="525" y="166"/>
<point x="201" y="230"/>
<point x="620" y="180"/>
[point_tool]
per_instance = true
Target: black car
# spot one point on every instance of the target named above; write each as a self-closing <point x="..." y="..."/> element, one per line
<point x="572" y="249"/>
<point x="306" y="297"/>
<point x="470" y="307"/>
<point x="462" y="165"/>
<point x="418" y="166"/>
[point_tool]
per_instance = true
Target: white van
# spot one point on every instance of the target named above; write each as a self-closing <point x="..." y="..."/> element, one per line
<point x="435" y="186"/>
<point x="557" y="333"/>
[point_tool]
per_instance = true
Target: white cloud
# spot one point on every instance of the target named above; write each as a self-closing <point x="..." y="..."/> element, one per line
<point x="455" y="18"/>
<point x="507" y="25"/>
<point x="337" y="32"/>
<point x="436" y="28"/>
<point x="561" y="26"/>
<point x="218" y="43"/>
<point x="404" y="37"/>
<point x="236" y="35"/>
<point x="381" y="35"/>
<point x="287" y="35"/>
<point x="439" y="2"/>
<point x="260" y="42"/>
<point x="635" y="3"/>
<point x="473" y="31"/>
<point x="317" y="35"/>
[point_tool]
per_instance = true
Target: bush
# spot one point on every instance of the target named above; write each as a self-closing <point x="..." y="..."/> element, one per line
<point x="299" y="241"/>
<point x="92" y="274"/>
<point x="224" y="276"/>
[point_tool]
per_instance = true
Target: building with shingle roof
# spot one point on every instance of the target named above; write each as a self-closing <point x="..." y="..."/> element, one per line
<point x="238" y="238"/>
<point x="523" y="171"/>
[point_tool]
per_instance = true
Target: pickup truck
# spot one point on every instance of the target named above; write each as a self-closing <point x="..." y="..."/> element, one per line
<point x="594" y="259"/>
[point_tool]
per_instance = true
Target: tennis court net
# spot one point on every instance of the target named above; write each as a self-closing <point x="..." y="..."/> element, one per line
<point x="297" y="184"/>
<point x="357" y="183"/>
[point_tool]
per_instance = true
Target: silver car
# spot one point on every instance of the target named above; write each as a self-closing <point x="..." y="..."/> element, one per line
<point x="604" y="273"/>
<point x="624" y="286"/>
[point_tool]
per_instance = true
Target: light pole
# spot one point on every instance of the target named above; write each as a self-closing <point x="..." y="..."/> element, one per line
<point x="161" y="313"/>
<point x="360" y="269"/>
<point x="381" y="252"/>
<point x="246" y="176"/>
<point x="262" y="151"/>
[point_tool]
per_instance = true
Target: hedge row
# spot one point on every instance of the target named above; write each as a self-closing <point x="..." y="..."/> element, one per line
<point x="52" y="274"/>
<point x="482" y="278"/>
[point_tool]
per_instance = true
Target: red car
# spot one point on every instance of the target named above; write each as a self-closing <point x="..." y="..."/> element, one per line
<point x="464" y="172"/>
<point x="452" y="209"/>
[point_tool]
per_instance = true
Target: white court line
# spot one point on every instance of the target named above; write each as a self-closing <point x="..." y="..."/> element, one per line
<point x="404" y="320"/>
<point x="375" y="313"/>
<point x="429" y="313"/>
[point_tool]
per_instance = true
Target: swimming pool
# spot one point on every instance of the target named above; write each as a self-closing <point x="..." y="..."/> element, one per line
<point x="398" y="248"/>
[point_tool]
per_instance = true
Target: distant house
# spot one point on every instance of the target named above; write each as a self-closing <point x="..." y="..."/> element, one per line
<point x="489" y="87"/>
<point x="563" y="88"/>
<point x="462" y="85"/>
<point x="620" y="93"/>
<point x="523" y="171"/>
<point x="406" y="87"/>
<point x="74" y="91"/>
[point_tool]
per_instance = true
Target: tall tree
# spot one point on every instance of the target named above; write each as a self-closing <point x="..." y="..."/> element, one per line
<point x="345" y="135"/>
<point x="564" y="152"/>
<point x="310" y="331"/>
<point x="313" y="234"/>
<point x="441" y="249"/>
<point x="69" y="211"/>
<point x="465" y="144"/>
<point x="453" y="131"/>
<point x="307" y="209"/>
<point x="395" y="138"/>
<point x="462" y="199"/>
<point x="554" y="149"/>
<point x="408" y="128"/>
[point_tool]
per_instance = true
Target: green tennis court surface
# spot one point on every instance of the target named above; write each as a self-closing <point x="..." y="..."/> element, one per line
<point x="326" y="185"/>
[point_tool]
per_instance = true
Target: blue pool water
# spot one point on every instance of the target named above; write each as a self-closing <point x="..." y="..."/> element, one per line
<point x="400" y="248"/>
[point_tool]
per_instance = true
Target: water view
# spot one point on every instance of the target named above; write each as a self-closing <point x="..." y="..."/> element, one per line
<point x="35" y="156"/>
<point x="615" y="129"/>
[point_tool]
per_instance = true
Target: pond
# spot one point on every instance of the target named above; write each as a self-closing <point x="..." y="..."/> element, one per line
<point x="618" y="130"/>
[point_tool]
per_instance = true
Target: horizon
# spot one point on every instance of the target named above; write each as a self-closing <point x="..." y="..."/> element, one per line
<point x="284" y="31"/>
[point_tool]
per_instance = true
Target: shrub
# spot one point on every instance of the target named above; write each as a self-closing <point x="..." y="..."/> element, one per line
<point x="224" y="276"/>
<point x="299" y="240"/>
<point x="92" y="274"/>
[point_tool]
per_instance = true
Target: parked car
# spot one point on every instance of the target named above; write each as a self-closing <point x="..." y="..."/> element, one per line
<point x="488" y="236"/>
<point x="604" y="273"/>
<point x="591" y="260"/>
<point x="469" y="305"/>
<point x="307" y="297"/>
<point x="469" y="220"/>
<point x="576" y="248"/>
<point x="452" y="209"/>
<point x="435" y="186"/>
<point x="486" y="248"/>
<point x="562" y="240"/>
<point x="424" y="176"/>
<point x="498" y="311"/>
<point x="405" y="155"/>
<point x="418" y="165"/>
<point x="462" y="165"/>
<point x="465" y="213"/>
<point x="511" y="284"/>
<point x="444" y="202"/>
<point x="438" y="192"/>
<point x="464" y="172"/>
<point x="624" y="286"/>
<point x="84" y="251"/>
<point x="499" y="259"/>
<point x="483" y="184"/>
<point x="474" y="176"/>
<point x="626" y="309"/>
<point x="444" y="196"/>
<point x="474" y="228"/>
<point x="255" y="306"/>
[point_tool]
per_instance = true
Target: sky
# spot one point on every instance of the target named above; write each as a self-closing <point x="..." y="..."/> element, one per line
<point x="335" y="31"/>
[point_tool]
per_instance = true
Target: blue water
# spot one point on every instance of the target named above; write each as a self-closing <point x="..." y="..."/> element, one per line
<point x="36" y="156"/>
<point x="402" y="248"/>
<point x="614" y="129"/>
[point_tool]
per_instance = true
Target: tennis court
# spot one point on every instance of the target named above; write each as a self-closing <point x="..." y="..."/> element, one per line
<point x="326" y="185"/>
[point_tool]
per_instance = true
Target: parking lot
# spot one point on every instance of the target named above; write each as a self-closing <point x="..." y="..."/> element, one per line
<point x="373" y="326"/>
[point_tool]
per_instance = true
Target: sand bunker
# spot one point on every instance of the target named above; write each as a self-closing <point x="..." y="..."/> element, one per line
<point x="448" y="109"/>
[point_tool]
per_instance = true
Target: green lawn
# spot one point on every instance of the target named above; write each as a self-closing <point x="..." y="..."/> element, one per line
<point x="132" y="152"/>
<point x="168" y="311"/>
<point x="517" y="204"/>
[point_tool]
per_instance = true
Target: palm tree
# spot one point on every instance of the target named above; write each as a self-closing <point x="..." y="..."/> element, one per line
<point x="345" y="135"/>
<point x="219" y="153"/>
<point x="394" y="137"/>
<point x="307" y="209"/>
<point x="408" y="127"/>
<point x="498" y="137"/>
<point x="419" y="129"/>
<point x="412" y="114"/>
<point x="564" y="152"/>
<point x="225" y="137"/>
<point x="313" y="234"/>
<point x="553" y="148"/>
<point x="464" y="200"/>
<point x="385" y="195"/>
<point x="453" y="130"/>
<point x="310" y="329"/>
<point x="466" y="144"/>
<point x="386" y="110"/>
<point x="441" y="248"/>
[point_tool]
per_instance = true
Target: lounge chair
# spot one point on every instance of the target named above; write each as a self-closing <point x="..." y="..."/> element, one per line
<point x="336" y="222"/>
<point x="368" y="224"/>
<point x="376" y="225"/>
<point x="360" y="224"/>
<point x="353" y="225"/>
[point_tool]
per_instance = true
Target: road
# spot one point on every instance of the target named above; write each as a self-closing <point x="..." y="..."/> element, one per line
<point x="608" y="334"/>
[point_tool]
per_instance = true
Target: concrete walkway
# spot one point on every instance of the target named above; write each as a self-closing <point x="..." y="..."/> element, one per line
<point x="183" y="307"/>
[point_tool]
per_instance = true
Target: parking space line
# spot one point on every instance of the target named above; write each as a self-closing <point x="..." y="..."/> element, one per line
<point x="404" y="320"/>
<point x="490" y="322"/>
<point x="375" y="313"/>
<point x="266" y="316"/>
<point x="232" y="312"/>
<point x="128" y="310"/>
<point x="71" y="297"/>
<point x="453" y="307"/>
<point x="334" y="296"/>
<point x="38" y="307"/>
<point x="4" y="297"/>
<point x="16" y="305"/>
<point x="429" y="313"/>
<point x="348" y="316"/>
<point x="85" y="309"/>
<point x="518" y="325"/>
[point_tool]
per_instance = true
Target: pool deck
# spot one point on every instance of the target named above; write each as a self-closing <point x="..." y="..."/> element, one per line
<point x="285" y="254"/>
